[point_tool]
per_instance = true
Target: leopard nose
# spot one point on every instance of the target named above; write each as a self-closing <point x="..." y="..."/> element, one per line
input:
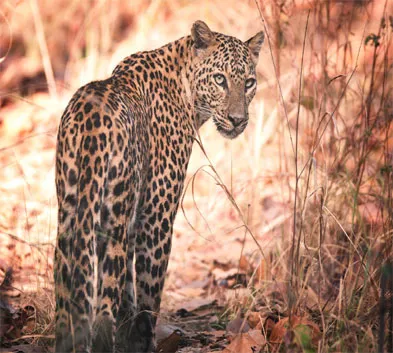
<point x="236" y="120"/>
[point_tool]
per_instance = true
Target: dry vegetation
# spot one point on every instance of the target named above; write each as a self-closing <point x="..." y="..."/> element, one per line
<point x="289" y="227"/>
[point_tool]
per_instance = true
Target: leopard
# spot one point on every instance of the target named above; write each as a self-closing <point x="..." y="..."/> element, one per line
<point x="123" y="147"/>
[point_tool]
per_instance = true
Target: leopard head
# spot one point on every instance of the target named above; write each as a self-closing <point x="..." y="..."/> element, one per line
<point x="224" y="78"/>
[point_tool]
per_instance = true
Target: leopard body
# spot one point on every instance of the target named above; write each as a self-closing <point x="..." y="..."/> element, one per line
<point x="122" y="153"/>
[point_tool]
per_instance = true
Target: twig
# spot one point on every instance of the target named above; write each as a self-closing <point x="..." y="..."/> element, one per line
<point x="293" y="262"/>
<point x="34" y="245"/>
<point x="3" y="57"/>
<point x="276" y="73"/>
<point x="21" y="141"/>
<point x="51" y="337"/>
<point x="39" y="28"/>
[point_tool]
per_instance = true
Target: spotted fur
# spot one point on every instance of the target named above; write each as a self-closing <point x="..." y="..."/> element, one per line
<point x="122" y="153"/>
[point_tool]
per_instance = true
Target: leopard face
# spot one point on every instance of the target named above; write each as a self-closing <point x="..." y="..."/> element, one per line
<point x="225" y="78"/>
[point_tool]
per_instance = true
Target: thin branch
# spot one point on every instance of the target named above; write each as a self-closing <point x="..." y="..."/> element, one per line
<point x="296" y="157"/>
<point x="276" y="73"/>
<point x="39" y="28"/>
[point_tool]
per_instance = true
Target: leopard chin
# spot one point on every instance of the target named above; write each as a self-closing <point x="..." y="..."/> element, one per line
<point x="231" y="133"/>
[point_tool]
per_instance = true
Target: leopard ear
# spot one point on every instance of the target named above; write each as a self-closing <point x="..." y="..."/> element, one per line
<point x="255" y="44"/>
<point x="202" y="36"/>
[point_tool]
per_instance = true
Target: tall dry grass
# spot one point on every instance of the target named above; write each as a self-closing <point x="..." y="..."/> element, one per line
<point x="307" y="188"/>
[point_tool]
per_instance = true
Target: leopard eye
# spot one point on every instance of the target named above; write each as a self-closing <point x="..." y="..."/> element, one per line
<point x="220" y="80"/>
<point x="250" y="83"/>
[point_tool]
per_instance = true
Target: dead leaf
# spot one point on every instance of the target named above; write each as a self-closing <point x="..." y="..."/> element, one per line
<point x="217" y="333"/>
<point x="307" y="102"/>
<point x="238" y="325"/>
<point x="220" y="274"/>
<point x="261" y="272"/>
<point x="249" y="342"/>
<point x="29" y="326"/>
<point x="299" y="332"/>
<point x="311" y="299"/>
<point x="196" y="303"/>
<point x="254" y="319"/>
<point x="229" y="278"/>
<point x="244" y="265"/>
<point x="163" y="331"/>
<point x="225" y="266"/>
<point x="370" y="212"/>
<point x="257" y="336"/>
<point x="170" y="344"/>
<point x="269" y="325"/>
<point x="26" y="348"/>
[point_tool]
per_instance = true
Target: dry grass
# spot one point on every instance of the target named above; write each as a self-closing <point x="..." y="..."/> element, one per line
<point x="310" y="180"/>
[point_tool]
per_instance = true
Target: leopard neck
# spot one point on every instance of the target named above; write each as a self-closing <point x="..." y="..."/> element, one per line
<point x="166" y="71"/>
<point x="175" y="60"/>
<point x="177" y="63"/>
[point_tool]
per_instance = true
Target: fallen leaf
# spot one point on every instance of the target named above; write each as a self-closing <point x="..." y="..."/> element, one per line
<point x="244" y="264"/>
<point x="254" y="319"/>
<point x="217" y="333"/>
<point x="269" y="325"/>
<point x="26" y="348"/>
<point x="238" y="325"/>
<point x="370" y="212"/>
<point x="249" y="342"/>
<point x="196" y="303"/>
<point x="261" y="272"/>
<point x="163" y="331"/>
<point x="300" y="332"/>
<point x="170" y="344"/>
<point x="307" y="102"/>
<point x="225" y="266"/>
<point x="229" y="278"/>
